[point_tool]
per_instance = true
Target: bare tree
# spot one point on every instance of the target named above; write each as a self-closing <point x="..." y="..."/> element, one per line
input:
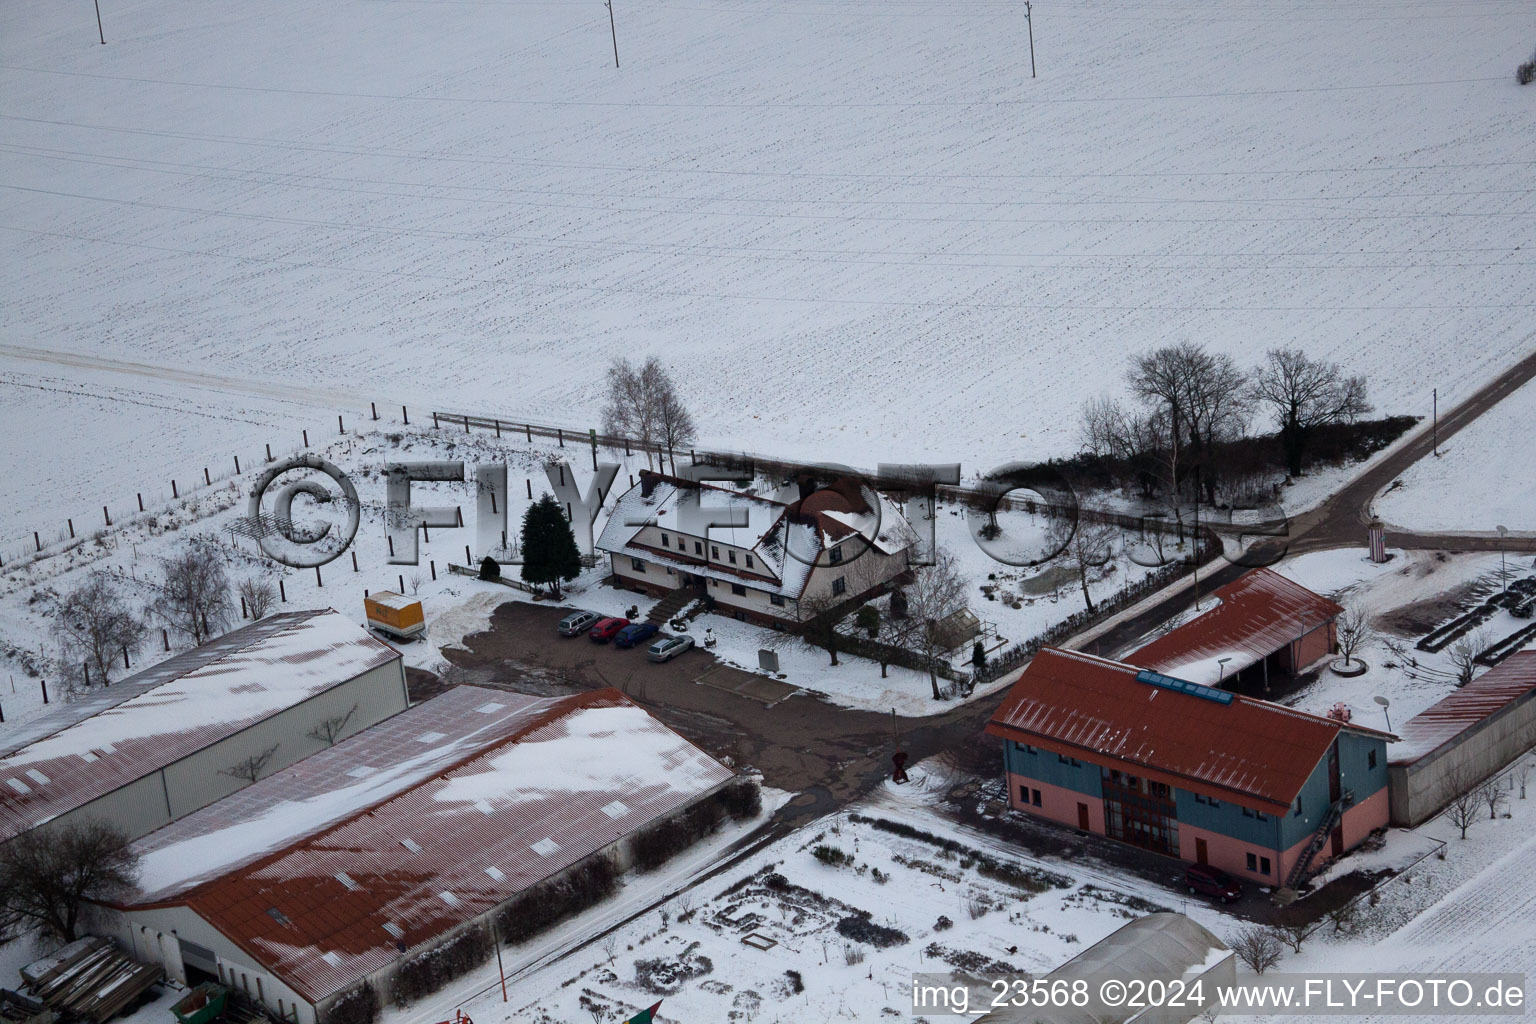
<point x="1303" y="394"/>
<point x="195" y="597"/>
<point x="1290" y="927"/>
<point x="1492" y="794"/>
<point x="819" y="615"/>
<point x="49" y="876"/>
<point x="94" y="627"/>
<point x="415" y="580"/>
<point x="1216" y="408"/>
<point x="1464" y="653"/>
<point x="936" y="591"/>
<point x="1461" y="798"/>
<point x="1085" y="545"/>
<point x="1523" y="776"/>
<point x="1257" y="947"/>
<point x="611" y="947"/>
<point x="250" y="768"/>
<point x="329" y="730"/>
<point x="258" y="594"/>
<point x="1353" y="630"/>
<point x="674" y="425"/>
<point x="1345" y="917"/>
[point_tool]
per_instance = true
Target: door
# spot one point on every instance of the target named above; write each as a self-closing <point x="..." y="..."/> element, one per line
<point x="1202" y="855"/>
<point x="1082" y="817"/>
<point x="1334" y="788"/>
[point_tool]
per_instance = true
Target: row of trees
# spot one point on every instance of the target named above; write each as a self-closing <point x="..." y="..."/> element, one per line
<point x="1187" y="402"/>
<point x="643" y="404"/>
<point x="95" y="626"/>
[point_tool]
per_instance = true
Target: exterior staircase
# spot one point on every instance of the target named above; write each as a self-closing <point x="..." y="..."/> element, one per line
<point x="1319" y="837"/>
<point x="669" y="606"/>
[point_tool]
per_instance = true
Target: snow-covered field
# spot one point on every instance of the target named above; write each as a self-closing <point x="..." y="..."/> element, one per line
<point x="854" y="230"/>
<point x="1494" y="483"/>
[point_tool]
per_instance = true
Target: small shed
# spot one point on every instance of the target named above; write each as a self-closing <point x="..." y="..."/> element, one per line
<point x="1165" y="946"/>
<point x="958" y="627"/>
<point x="394" y="614"/>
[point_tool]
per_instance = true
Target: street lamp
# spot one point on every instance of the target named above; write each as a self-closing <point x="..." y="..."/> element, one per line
<point x="1384" y="705"/>
<point x="1503" y="574"/>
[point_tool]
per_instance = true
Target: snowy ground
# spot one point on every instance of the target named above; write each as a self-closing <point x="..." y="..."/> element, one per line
<point x="810" y="210"/>
<point x="1411" y="580"/>
<point x="457" y="605"/>
<point x="1493" y="484"/>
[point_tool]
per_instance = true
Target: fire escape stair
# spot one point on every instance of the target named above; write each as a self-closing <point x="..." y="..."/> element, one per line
<point x="1319" y="837"/>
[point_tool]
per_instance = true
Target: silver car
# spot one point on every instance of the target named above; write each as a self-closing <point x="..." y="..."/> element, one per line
<point x="577" y="623"/>
<point x="668" y="647"/>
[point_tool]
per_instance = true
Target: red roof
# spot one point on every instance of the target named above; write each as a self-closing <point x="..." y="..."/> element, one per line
<point x="1493" y="691"/>
<point x="1247" y="751"/>
<point x="539" y="784"/>
<point x="1259" y="613"/>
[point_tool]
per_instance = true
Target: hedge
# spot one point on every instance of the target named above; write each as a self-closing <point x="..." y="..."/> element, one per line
<point x="430" y="970"/>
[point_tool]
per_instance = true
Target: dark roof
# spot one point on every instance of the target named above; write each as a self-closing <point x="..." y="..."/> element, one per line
<point x="1220" y="744"/>
<point x="516" y="790"/>
<point x="1506" y="683"/>
<point x="1259" y="613"/>
<point x="90" y="747"/>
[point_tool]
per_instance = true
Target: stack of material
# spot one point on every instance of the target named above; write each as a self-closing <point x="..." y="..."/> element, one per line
<point x="90" y="980"/>
<point x="16" y="1008"/>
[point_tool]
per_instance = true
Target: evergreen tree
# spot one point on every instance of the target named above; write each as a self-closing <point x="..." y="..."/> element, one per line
<point x="549" y="546"/>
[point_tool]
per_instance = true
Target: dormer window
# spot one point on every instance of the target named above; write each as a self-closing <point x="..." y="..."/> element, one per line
<point x="836" y="554"/>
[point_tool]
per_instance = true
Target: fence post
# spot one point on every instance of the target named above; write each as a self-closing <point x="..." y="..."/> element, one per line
<point x="467" y="560"/>
<point x="354" y="561"/>
<point x="318" y="581"/>
<point x="37" y="540"/>
<point x="282" y="591"/>
<point x="529" y="482"/>
<point x="106" y="515"/>
<point x="374" y="409"/>
<point x="498" y="427"/>
<point x="402" y="583"/>
<point x="560" y="436"/>
<point x="434" y="421"/>
<point x="141" y="500"/>
<point x="71" y="523"/>
<point x="269" y="452"/>
<point x="45" y="691"/>
<point x="340" y="429"/>
<point x="405" y="415"/>
<point x="432" y="565"/>
<point x="306" y="438"/>
<point x="207" y="480"/>
<point x="243" y="613"/>
<point x="528" y="429"/>
<point x="466" y="423"/>
<point x="165" y="638"/>
<point x="391" y="540"/>
<point x="237" y="465"/>
<point x="174" y="495"/>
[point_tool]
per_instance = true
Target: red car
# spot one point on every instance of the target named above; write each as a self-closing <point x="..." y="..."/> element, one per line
<point x="606" y="630"/>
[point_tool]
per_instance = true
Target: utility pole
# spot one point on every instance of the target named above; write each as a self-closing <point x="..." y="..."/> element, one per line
<point x="1028" y="17"/>
<point x="1436" y="429"/>
<point x="614" y="31"/>
<point x="99" y="30"/>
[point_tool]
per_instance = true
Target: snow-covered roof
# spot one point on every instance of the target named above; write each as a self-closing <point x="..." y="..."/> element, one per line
<point x="1258" y="613"/>
<point x="1165" y="945"/>
<point x="90" y="747"/>
<point x="1508" y="683"/>
<point x="333" y="862"/>
<point x="390" y="599"/>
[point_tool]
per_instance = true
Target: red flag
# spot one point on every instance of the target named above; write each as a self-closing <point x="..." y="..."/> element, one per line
<point x="645" y="1016"/>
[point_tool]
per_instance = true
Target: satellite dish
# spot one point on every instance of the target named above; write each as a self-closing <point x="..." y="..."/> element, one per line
<point x="1382" y="701"/>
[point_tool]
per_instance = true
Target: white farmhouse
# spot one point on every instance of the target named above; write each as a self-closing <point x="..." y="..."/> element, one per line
<point x="774" y="558"/>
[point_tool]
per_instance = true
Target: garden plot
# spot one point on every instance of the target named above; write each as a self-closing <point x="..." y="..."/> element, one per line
<point x="830" y="924"/>
<point x="1407" y="598"/>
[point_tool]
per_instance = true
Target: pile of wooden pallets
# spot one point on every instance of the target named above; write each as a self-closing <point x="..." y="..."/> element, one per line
<point x="16" y="1008"/>
<point x="89" y="980"/>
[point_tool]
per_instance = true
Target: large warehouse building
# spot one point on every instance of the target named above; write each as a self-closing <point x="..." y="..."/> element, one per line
<point x="344" y="865"/>
<point x="1463" y="739"/>
<point x="198" y="726"/>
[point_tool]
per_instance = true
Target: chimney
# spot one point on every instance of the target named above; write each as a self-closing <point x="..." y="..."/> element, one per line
<point x="647" y="483"/>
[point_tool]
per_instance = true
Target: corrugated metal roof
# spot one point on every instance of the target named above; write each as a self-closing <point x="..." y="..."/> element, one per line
<point x="537" y="799"/>
<point x="126" y="731"/>
<point x="1509" y="681"/>
<point x="1259" y="613"/>
<point x="1249" y="751"/>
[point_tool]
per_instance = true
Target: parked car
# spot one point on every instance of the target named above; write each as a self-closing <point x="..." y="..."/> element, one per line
<point x="669" y="647"/>
<point x="634" y="634"/>
<point x="577" y="623"/>
<point x="607" y="629"/>
<point x="1209" y="881"/>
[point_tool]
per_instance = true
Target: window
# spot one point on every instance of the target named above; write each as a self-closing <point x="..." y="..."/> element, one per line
<point x="839" y="586"/>
<point x="1370" y="758"/>
<point x="714" y="551"/>
<point x="698" y="548"/>
<point x="1247" y="812"/>
<point x="777" y="600"/>
<point x="1025" y="748"/>
<point x="749" y="562"/>
<point x="1261" y="815"/>
<point x="664" y="542"/>
<point x="731" y="555"/>
<point x="1263" y="865"/>
<point x="714" y="583"/>
<point x="1023" y="794"/>
<point x="1158" y="789"/>
<point x="1297" y="811"/>
<point x="738" y="590"/>
<point x="1034" y="797"/>
<point x="1071" y="761"/>
<point x="836" y="554"/>
<point x="637" y="565"/>
<point x="1253" y="860"/>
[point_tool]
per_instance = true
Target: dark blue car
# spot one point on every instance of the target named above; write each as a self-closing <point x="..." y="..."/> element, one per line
<point x="634" y="634"/>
